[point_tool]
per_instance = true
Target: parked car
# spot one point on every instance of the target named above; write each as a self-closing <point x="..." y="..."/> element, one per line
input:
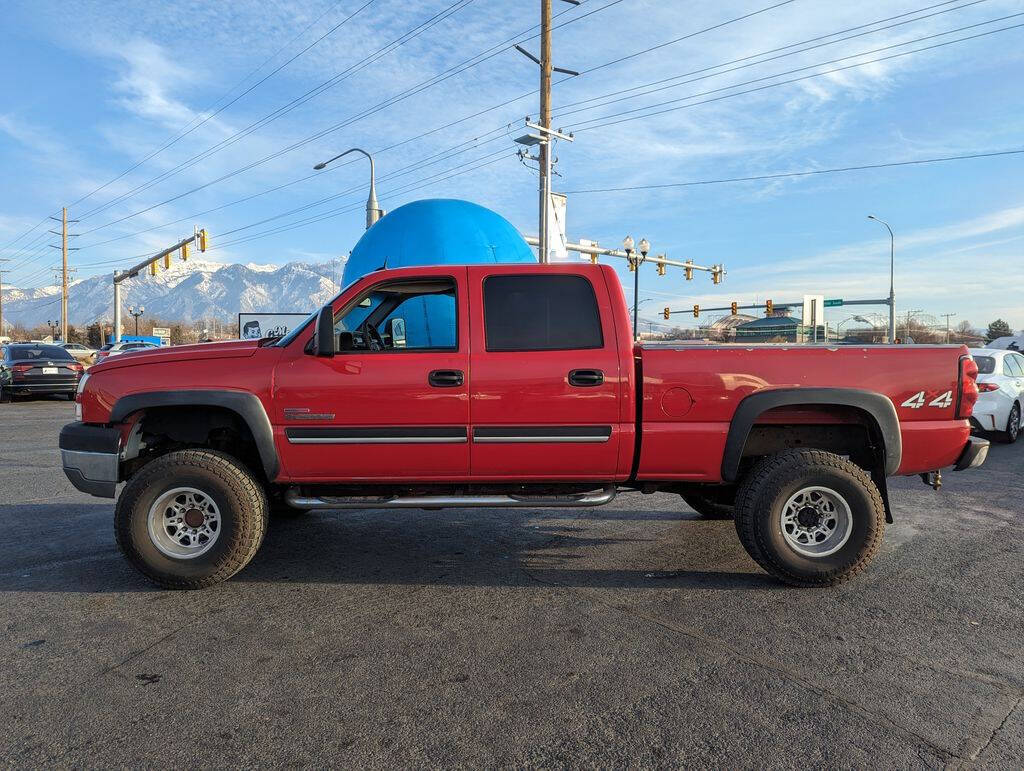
<point x="1000" y="406"/>
<point x="82" y="353"/>
<point x="33" y="369"/>
<point x="489" y="386"/>
<point x="115" y="349"/>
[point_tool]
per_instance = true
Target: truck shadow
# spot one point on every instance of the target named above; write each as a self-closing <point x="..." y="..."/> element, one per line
<point x="71" y="548"/>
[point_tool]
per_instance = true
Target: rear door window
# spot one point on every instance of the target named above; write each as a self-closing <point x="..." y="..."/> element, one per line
<point x="1011" y="368"/>
<point x="541" y="313"/>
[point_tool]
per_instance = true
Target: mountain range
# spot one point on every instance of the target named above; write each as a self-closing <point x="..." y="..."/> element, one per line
<point x="187" y="292"/>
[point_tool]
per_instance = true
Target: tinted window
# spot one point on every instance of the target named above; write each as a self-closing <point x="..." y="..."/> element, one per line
<point x="1011" y="368"/>
<point x="986" y="364"/>
<point x="31" y="353"/>
<point x="540" y="313"/>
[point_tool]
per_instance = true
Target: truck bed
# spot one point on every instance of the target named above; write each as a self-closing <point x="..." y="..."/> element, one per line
<point x="692" y="392"/>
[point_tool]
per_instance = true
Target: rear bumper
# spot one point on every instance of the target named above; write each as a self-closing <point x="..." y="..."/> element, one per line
<point x="90" y="456"/>
<point x="974" y="454"/>
<point x="22" y="387"/>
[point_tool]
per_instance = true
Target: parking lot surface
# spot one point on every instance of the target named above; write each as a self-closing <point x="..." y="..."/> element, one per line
<point x="630" y="635"/>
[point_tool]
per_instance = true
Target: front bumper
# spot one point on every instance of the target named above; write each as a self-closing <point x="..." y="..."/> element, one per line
<point x="90" y="455"/>
<point x="974" y="454"/>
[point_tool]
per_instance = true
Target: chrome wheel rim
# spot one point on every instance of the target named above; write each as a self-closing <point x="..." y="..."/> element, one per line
<point x="816" y="521"/>
<point x="1013" y="425"/>
<point x="184" y="523"/>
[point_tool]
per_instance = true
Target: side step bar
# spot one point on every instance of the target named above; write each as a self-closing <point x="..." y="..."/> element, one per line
<point x="293" y="498"/>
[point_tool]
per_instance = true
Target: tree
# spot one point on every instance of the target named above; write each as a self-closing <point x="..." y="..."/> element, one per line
<point x="997" y="329"/>
<point x="94" y="335"/>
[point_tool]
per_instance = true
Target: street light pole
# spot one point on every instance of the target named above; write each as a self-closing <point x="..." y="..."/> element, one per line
<point x="892" y="264"/>
<point x="136" y="313"/>
<point x="373" y="211"/>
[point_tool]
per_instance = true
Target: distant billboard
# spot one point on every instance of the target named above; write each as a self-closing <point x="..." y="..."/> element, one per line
<point x="253" y="326"/>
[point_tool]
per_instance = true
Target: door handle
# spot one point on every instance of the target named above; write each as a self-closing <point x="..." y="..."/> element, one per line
<point x="446" y="378"/>
<point x="586" y="378"/>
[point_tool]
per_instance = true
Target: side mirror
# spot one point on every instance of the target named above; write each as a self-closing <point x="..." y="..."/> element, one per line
<point x="323" y="336"/>
<point x="395" y="329"/>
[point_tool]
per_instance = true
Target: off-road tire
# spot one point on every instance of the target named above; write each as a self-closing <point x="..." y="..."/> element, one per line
<point x="1009" y="436"/>
<point x="763" y="494"/>
<point x="706" y="507"/>
<point x="238" y="495"/>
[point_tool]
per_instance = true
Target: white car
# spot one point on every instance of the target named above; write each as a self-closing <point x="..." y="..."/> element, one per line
<point x="123" y="347"/>
<point x="1000" y="404"/>
<point x="81" y="352"/>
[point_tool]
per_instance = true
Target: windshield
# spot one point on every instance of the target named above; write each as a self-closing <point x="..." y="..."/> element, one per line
<point x="986" y="364"/>
<point x="283" y="341"/>
<point x="34" y="352"/>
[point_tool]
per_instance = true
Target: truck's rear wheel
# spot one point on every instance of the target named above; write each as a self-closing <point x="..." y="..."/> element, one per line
<point x="191" y="518"/>
<point x="809" y="517"/>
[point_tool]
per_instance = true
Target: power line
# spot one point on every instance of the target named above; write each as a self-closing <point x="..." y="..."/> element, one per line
<point x="458" y="5"/>
<point x="782" y="175"/>
<point x="189" y="127"/>
<point x="687" y="36"/>
<point x="458" y="121"/>
<point x="749" y="63"/>
<point x="581" y="127"/>
<point x="412" y="91"/>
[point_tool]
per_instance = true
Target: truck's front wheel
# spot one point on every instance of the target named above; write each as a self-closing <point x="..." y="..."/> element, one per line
<point x="810" y="518"/>
<point x="191" y="518"/>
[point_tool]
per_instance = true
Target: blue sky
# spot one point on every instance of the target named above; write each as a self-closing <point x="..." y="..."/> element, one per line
<point x="91" y="88"/>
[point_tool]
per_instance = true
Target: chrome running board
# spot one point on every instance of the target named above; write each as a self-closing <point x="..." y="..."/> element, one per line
<point x="576" y="500"/>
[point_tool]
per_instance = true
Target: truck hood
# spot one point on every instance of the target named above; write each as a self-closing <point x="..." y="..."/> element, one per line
<point x="233" y="349"/>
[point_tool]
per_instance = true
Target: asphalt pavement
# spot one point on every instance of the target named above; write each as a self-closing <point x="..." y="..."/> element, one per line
<point x="631" y="635"/>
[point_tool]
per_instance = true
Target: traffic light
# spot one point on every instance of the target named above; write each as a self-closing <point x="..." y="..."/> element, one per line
<point x="661" y="269"/>
<point x="689" y="270"/>
<point x="203" y="242"/>
<point x="667" y="313"/>
<point x="696" y="311"/>
<point x="769" y="309"/>
<point x="184" y="252"/>
<point x="632" y="264"/>
<point x="734" y="309"/>
<point x="593" y="259"/>
<point x="716" y="275"/>
<point x="152" y="268"/>
<point x="167" y="261"/>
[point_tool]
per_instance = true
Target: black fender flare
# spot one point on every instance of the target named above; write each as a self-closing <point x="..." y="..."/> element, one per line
<point x="246" y="405"/>
<point x="878" y="407"/>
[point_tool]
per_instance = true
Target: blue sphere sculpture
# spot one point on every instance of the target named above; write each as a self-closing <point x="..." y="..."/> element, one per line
<point x="435" y="231"/>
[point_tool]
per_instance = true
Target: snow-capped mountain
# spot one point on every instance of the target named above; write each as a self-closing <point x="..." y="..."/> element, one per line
<point x="187" y="292"/>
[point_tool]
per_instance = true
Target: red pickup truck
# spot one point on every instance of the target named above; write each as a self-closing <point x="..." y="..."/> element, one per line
<point x="510" y="385"/>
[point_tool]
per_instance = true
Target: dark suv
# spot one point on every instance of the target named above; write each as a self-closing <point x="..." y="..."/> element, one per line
<point x="32" y="369"/>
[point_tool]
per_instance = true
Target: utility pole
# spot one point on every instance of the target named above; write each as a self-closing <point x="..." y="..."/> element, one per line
<point x="910" y="315"/>
<point x="545" y="122"/>
<point x="946" y="316"/>
<point x="2" y="260"/>
<point x="543" y="126"/>
<point x="64" y="268"/>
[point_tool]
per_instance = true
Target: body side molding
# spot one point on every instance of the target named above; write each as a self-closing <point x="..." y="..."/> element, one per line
<point x="878" y="406"/>
<point x="246" y="405"/>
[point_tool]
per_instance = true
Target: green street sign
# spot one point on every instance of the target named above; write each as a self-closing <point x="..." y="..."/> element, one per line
<point x="834" y="303"/>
